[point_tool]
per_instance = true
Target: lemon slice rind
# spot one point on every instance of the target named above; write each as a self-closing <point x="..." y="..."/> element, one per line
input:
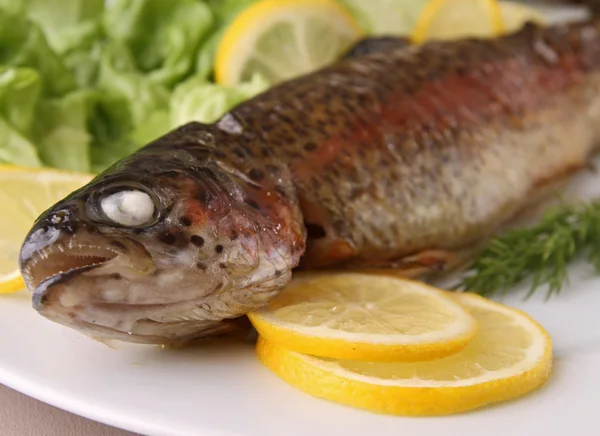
<point x="238" y="45"/>
<point x="325" y="341"/>
<point x="327" y="379"/>
<point x="495" y="18"/>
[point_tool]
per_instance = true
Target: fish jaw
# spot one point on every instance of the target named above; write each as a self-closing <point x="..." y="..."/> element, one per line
<point x="119" y="292"/>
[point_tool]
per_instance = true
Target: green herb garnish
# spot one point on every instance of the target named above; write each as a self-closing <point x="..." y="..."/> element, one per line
<point x="541" y="252"/>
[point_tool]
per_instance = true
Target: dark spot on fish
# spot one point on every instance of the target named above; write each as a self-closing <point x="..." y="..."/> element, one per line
<point x="233" y="235"/>
<point x="115" y="276"/>
<point x="239" y="152"/>
<point x="220" y="154"/>
<point x="201" y="266"/>
<point x="204" y="196"/>
<point x="185" y="221"/>
<point x="202" y="153"/>
<point x="118" y="245"/>
<point x="222" y="265"/>
<point x="219" y="286"/>
<point x="246" y="150"/>
<point x="310" y="146"/>
<point x="339" y="225"/>
<point x="272" y="169"/>
<point x="219" y="248"/>
<point x="171" y="174"/>
<point x="198" y="241"/>
<point x="253" y="204"/>
<point x="280" y="191"/>
<point x="278" y="273"/>
<point x="315" y="231"/>
<point x="256" y="174"/>
<point x="167" y="238"/>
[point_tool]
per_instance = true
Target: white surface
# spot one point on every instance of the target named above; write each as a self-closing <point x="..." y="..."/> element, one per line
<point x="223" y="389"/>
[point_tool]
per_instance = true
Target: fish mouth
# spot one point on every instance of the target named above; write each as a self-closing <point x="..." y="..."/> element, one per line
<point x="52" y="262"/>
<point x="67" y="281"/>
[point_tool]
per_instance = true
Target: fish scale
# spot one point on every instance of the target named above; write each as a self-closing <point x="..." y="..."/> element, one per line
<point x="409" y="141"/>
<point x="404" y="157"/>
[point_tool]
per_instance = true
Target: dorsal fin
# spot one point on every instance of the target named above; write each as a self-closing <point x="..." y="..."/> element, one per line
<point x="376" y="45"/>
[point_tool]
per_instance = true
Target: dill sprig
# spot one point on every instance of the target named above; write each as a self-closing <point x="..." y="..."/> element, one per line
<point x="541" y="252"/>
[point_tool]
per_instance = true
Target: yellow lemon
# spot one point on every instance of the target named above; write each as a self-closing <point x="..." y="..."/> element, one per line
<point x="282" y="39"/>
<point x="453" y="19"/>
<point x="510" y="356"/>
<point x="365" y="317"/>
<point x="24" y="194"/>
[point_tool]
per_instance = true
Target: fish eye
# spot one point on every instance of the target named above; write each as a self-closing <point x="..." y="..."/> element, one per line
<point x="128" y="207"/>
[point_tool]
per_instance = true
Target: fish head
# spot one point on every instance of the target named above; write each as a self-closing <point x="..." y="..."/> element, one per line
<point x="163" y="257"/>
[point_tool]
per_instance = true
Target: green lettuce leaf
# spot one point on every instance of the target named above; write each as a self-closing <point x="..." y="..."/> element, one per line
<point x="16" y="149"/>
<point x="23" y="44"/>
<point x="155" y="126"/>
<point x="61" y="132"/>
<point x="13" y="6"/>
<point x="120" y="78"/>
<point x="73" y="29"/>
<point x="59" y="19"/>
<point x="224" y="12"/>
<point x="82" y="57"/>
<point x="110" y="123"/>
<point x="198" y="100"/>
<point x="163" y="35"/>
<point x="132" y="111"/>
<point x="19" y="95"/>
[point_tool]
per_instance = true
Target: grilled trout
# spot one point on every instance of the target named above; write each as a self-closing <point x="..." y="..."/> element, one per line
<point x="402" y="158"/>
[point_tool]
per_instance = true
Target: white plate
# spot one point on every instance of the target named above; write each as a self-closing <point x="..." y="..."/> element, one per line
<point x="223" y="390"/>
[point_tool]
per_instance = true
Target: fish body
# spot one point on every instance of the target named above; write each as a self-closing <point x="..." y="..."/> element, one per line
<point x="397" y="158"/>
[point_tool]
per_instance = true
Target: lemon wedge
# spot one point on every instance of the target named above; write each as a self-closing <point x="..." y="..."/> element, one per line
<point x="453" y="19"/>
<point x="365" y="317"/>
<point x="281" y="39"/>
<point x="510" y="356"/>
<point x="24" y="194"/>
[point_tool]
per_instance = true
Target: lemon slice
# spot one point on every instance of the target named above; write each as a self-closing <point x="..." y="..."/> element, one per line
<point x="365" y="317"/>
<point x="281" y="39"/>
<point x="24" y="194"/>
<point x="515" y="15"/>
<point x="453" y="19"/>
<point x="510" y="357"/>
<point x="386" y="17"/>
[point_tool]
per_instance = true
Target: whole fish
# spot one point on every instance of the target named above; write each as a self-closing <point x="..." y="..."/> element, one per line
<point x="403" y="157"/>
